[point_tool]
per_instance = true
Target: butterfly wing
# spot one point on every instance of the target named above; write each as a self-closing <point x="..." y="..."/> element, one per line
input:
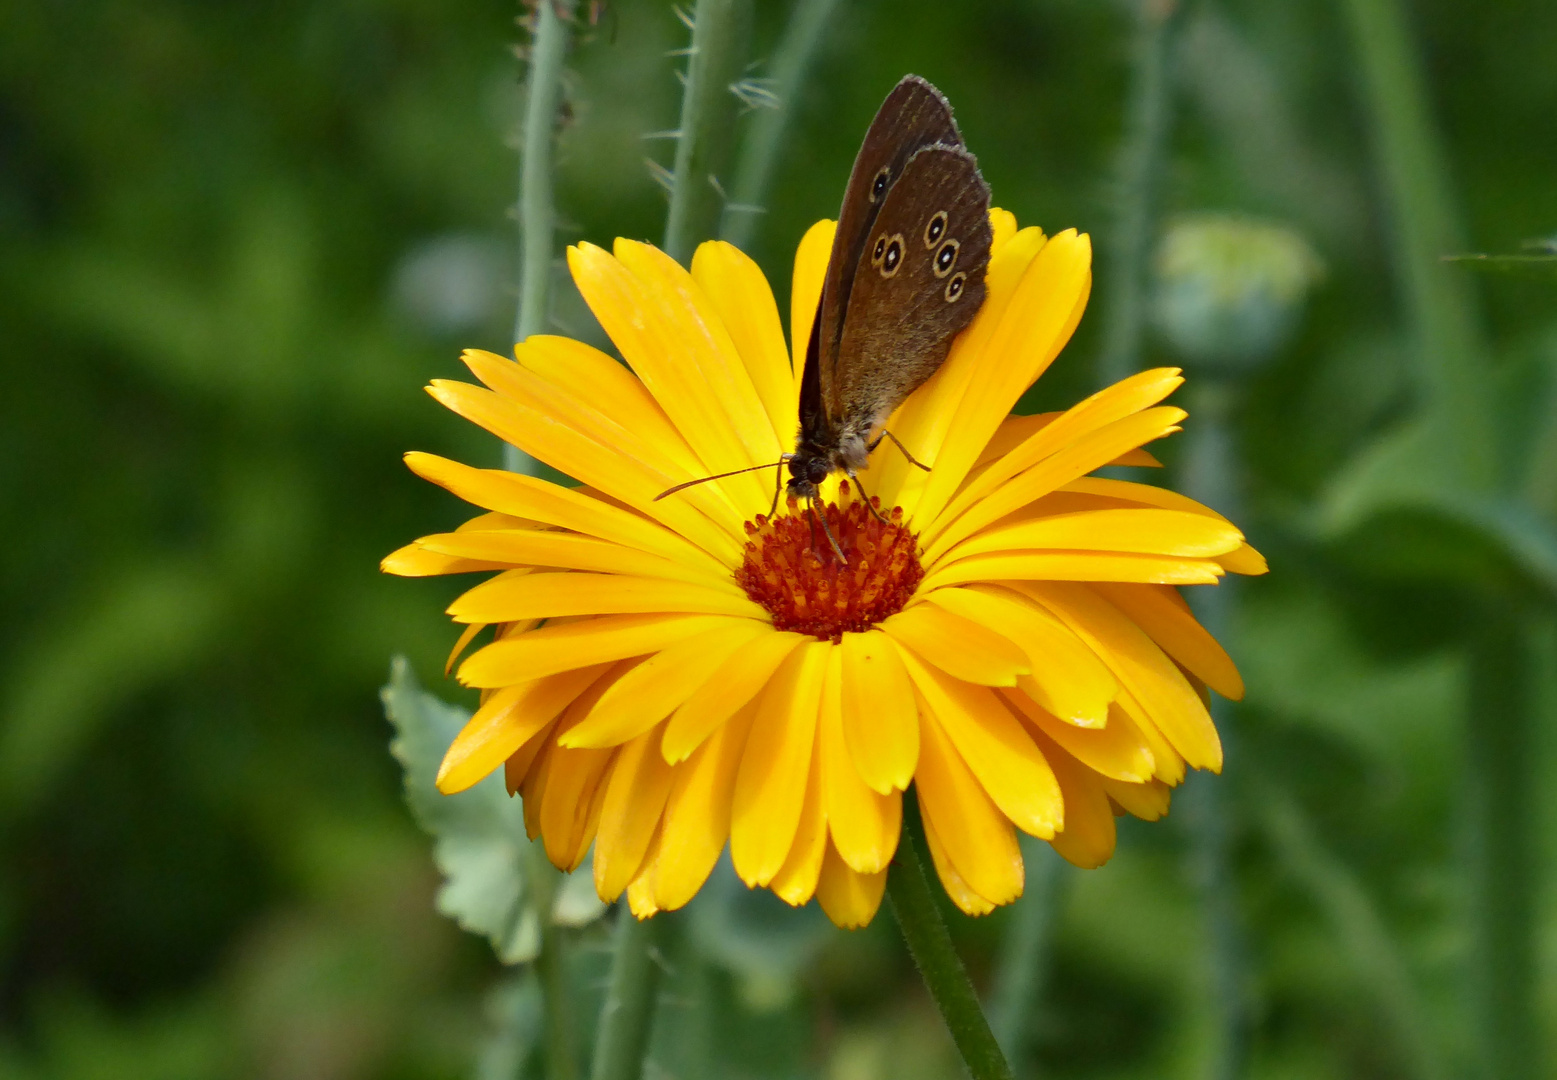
<point x="918" y="282"/>
<point x="913" y="116"/>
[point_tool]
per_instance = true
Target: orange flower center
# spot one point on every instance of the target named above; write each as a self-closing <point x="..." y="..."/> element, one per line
<point x="793" y="572"/>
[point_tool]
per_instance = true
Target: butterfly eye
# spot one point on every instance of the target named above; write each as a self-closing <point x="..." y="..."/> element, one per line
<point x="935" y="229"/>
<point x="946" y="258"/>
<point x="878" y="186"/>
<point x="879" y="251"/>
<point x="954" y="287"/>
<point x="892" y="258"/>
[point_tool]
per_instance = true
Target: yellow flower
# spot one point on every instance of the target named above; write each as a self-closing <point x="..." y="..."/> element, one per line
<point x="668" y="676"/>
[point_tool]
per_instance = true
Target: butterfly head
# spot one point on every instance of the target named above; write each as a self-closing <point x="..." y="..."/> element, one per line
<point x="809" y="465"/>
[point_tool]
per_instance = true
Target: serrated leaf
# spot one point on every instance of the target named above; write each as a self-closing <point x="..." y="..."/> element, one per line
<point x="479" y="843"/>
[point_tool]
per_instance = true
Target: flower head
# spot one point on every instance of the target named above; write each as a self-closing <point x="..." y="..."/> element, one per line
<point x="668" y="676"/>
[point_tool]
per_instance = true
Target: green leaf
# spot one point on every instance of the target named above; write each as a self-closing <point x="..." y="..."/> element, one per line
<point x="479" y="843"/>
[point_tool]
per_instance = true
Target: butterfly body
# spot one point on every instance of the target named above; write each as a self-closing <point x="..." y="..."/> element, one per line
<point x="905" y="275"/>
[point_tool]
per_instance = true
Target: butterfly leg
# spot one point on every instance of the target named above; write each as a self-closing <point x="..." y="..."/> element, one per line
<point x="838" y="551"/>
<point x="778" y="484"/>
<point x="885" y="434"/>
<point x="869" y="503"/>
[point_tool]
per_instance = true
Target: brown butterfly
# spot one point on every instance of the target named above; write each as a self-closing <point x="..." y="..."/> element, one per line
<point x="906" y="274"/>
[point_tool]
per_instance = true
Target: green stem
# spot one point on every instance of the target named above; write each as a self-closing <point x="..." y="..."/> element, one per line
<point x="1357" y="923"/>
<point x="536" y="211"/>
<point x="1141" y="166"/>
<point x="719" y="32"/>
<point x="1205" y="807"/>
<point x="627" y="1015"/>
<point x="1019" y="973"/>
<point x="551" y="969"/>
<point x="1500" y="745"/>
<point x="913" y="903"/>
<point x="759" y="150"/>
<point x="1439" y="301"/>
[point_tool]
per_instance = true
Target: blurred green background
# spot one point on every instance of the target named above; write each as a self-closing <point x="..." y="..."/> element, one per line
<point x="235" y="241"/>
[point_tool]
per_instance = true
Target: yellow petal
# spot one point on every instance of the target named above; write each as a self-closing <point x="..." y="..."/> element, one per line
<point x="864" y="825"/>
<point x="1002" y="227"/>
<point x="1073" y="566"/>
<point x="958" y="646"/>
<point x="649" y="692"/>
<point x="1169" y="763"/>
<point x="537" y="547"/>
<point x="414" y="560"/>
<point x="1148" y="801"/>
<point x="770" y="790"/>
<point x="526" y="496"/>
<point x="1145" y="532"/>
<point x="547" y="596"/>
<point x="1124" y="398"/>
<point x="739" y="293"/>
<point x="640" y="894"/>
<point x="466" y="637"/>
<point x="880" y="717"/>
<point x="1142" y="669"/>
<point x="745" y="672"/>
<point x="1167" y="620"/>
<point x="995" y="746"/>
<point x="590" y="376"/>
<point x="923" y="421"/>
<point x="1117" y="751"/>
<point x="1067" y="677"/>
<point x="961" y="893"/>
<point x="1088" y="838"/>
<point x="553" y="648"/>
<point x="570" y="806"/>
<point x="632" y="480"/>
<point x="635" y="797"/>
<point x="796" y="880"/>
<point x="697" y="815"/>
<point x="806" y="291"/>
<point x="1245" y="560"/>
<point x="1091" y="451"/>
<point x="1042" y="314"/>
<point x="503" y="724"/>
<point x="980" y="841"/>
<point x="849" y="898"/>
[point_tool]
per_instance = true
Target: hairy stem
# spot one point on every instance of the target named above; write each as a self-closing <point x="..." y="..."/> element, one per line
<point x="627" y="1016"/>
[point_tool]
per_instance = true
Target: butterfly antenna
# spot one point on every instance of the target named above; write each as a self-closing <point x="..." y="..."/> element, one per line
<point x="716" y="476"/>
<point x="778" y="485"/>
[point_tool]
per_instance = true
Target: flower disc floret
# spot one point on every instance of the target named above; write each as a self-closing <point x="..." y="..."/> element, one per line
<point x="790" y="568"/>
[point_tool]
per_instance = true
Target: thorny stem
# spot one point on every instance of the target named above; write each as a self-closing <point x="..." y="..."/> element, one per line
<point x="759" y="151"/>
<point x="913" y="904"/>
<point x="536" y="210"/>
<point x="1141" y="167"/>
<point x="719" y="33"/>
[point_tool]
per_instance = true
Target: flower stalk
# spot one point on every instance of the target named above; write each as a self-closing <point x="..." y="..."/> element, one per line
<point x="627" y="1015"/>
<point x="913" y="904"/>
<point x="561" y="1045"/>
<point x="719" y="34"/>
